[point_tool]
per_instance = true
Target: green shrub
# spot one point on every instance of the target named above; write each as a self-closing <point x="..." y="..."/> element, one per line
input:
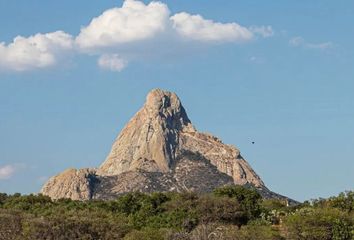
<point x="230" y="213"/>
<point x="249" y="199"/>
<point x="319" y="223"/>
<point x="10" y="224"/>
<point x="221" y="209"/>
<point x="147" y="234"/>
<point x="344" y="201"/>
<point x="230" y="232"/>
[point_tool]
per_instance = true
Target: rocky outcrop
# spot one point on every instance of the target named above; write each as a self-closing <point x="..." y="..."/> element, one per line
<point x="151" y="138"/>
<point x="226" y="158"/>
<point x="159" y="150"/>
<point x="191" y="172"/>
<point x="72" y="183"/>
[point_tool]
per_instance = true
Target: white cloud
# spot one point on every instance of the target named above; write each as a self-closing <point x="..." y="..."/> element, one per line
<point x="38" y="51"/>
<point x="195" y="27"/>
<point x="7" y="171"/>
<point x="264" y="31"/>
<point x="134" y="21"/>
<point x="112" y="62"/>
<point x="135" y="28"/>
<point x="133" y="31"/>
<point x="300" y="42"/>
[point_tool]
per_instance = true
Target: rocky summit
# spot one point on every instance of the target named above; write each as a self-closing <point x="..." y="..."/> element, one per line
<point x="159" y="150"/>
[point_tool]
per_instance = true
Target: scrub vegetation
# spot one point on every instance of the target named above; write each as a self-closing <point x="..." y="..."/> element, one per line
<point x="231" y="212"/>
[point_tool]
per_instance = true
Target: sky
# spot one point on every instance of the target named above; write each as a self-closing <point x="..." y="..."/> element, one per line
<point x="279" y="73"/>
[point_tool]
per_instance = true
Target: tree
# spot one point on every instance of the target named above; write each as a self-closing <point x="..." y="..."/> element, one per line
<point x="319" y="223"/>
<point x="344" y="201"/>
<point x="221" y="209"/>
<point x="249" y="199"/>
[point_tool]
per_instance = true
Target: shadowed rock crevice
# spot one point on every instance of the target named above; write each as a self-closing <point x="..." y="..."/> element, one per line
<point x="159" y="150"/>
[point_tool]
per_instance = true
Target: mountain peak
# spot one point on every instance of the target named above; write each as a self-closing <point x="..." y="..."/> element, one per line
<point x="162" y="99"/>
<point x="150" y="139"/>
<point x="159" y="150"/>
<point x="167" y="106"/>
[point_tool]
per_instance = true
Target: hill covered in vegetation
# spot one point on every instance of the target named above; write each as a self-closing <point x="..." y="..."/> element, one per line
<point x="230" y="212"/>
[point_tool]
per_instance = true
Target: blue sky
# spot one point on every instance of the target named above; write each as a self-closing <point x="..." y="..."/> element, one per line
<point x="278" y="73"/>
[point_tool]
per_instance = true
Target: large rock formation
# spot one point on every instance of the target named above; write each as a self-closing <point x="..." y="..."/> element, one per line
<point x="72" y="183"/>
<point x="159" y="150"/>
<point x="150" y="140"/>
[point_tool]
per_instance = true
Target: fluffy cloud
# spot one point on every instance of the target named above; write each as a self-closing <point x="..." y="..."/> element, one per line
<point x="112" y="62"/>
<point x="264" y="31"/>
<point x="300" y="42"/>
<point x="7" y="171"/>
<point x="38" y="51"/>
<point x="126" y="30"/>
<point x="134" y="21"/>
<point x="195" y="27"/>
<point x="129" y="32"/>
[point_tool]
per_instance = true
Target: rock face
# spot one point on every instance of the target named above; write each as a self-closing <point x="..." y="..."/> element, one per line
<point x="159" y="150"/>
<point x="72" y="183"/>
<point x="151" y="138"/>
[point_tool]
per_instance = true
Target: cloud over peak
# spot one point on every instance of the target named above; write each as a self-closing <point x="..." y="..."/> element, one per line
<point x="195" y="27"/>
<point x="134" y="21"/>
<point x="121" y="33"/>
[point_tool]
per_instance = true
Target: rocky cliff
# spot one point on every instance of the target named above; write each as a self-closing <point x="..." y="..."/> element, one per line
<point x="159" y="150"/>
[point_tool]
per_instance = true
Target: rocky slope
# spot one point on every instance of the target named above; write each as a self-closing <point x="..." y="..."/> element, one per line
<point x="159" y="150"/>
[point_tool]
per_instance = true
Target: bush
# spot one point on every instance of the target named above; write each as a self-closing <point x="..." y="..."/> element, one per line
<point x="257" y="232"/>
<point x="344" y="201"/>
<point x="230" y="232"/>
<point x="10" y="225"/>
<point x="3" y="197"/>
<point x="147" y="234"/>
<point x="27" y="203"/>
<point x="319" y="223"/>
<point x="228" y="213"/>
<point x="249" y="199"/>
<point x="221" y="209"/>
